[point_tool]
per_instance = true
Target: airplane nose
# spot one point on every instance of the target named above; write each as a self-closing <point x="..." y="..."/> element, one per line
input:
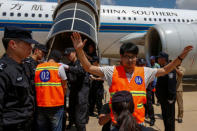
<point x="74" y="16"/>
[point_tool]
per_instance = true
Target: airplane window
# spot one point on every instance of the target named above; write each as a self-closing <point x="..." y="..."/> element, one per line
<point x="187" y="20"/>
<point x="19" y="14"/>
<point x="155" y="19"/>
<point x="174" y="20"/>
<point x="159" y="19"/>
<point x="129" y="18"/>
<point x="164" y="19"/>
<point x="46" y="15"/>
<point x="135" y="18"/>
<point x="145" y="19"/>
<point x="169" y="20"/>
<point x="39" y="15"/>
<point x="150" y="19"/>
<point x="26" y="15"/>
<point x="183" y="20"/>
<point x="4" y="14"/>
<point x="33" y="15"/>
<point x="124" y="18"/>
<point x="192" y="20"/>
<point x="11" y="14"/>
<point x="178" y="20"/>
<point x="118" y="18"/>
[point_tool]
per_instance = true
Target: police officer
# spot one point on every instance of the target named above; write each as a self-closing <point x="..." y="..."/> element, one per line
<point x="96" y="90"/>
<point x="166" y="87"/>
<point x="78" y="81"/>
<point x="39" y="52"/>
<point x="30" y="63"/>
<point x="16" y="98"/>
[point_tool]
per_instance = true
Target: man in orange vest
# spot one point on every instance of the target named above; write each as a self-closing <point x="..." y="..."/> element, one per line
<point x="127" y="76"/>
<point x="51" y="84"/>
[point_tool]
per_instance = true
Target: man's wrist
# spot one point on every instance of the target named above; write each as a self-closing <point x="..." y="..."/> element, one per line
<point x="181" y="59"/>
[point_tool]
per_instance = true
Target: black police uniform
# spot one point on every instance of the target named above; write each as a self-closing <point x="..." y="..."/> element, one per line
<point x="78" y="83"/>
<point x="149" y="105"/>
<point x="96" y="95"/>
<point x="166" y="89"/>
<point x="30" y="65"/>
<point x="16" y="96"/>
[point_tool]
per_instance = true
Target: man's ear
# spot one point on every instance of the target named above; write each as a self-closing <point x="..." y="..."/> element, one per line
<point x="12" y="44"/>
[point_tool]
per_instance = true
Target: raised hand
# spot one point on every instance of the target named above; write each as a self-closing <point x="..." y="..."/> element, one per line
<point x="77" y="41"/>
<point x="186" y="50"/>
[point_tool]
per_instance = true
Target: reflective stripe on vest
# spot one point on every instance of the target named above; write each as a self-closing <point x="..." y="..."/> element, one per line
<point x="136" y="86"/>
<point x="49" y="90"/>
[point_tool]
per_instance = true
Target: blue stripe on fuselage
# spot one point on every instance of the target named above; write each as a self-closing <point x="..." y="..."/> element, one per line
<point x="104" y="27"/>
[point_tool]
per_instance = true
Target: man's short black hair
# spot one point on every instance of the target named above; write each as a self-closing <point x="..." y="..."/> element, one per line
<point x="55" y="55"/>
<point x="6" y="41"/>
<point x="129" y="48"/>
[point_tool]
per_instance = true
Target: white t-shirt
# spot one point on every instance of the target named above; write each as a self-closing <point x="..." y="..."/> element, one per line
<point x="61" y="72"/>
<point x="108" y="74"/>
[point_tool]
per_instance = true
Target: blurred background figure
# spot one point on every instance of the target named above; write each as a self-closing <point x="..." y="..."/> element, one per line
<point x="96" y="90"/>
<point x="154" y="64"/>
<point x="179" y="91"/>
<point x="90" y="52"/>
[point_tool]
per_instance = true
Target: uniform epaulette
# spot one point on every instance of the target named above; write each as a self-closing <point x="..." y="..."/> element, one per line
<point x="2" y="66"/>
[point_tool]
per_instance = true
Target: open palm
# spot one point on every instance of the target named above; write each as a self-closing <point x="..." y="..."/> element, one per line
<point x="77" y="41"/>
<point x="185" y="51"/>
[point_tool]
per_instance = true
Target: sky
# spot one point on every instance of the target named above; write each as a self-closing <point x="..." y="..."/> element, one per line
<point x="179" y="4"/>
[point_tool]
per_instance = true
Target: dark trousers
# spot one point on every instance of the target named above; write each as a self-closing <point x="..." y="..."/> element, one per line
<point x="49" y="119"/>
<point x="78" y="108"/>
<point x="95" y="98"/>
<point x="149" y="105"/>
<point x="168" y="114"/>
<point x="24" y="126"/>
<point x="72" y="105"/>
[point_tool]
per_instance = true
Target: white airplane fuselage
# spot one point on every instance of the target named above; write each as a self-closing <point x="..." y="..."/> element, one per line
<point x="117" y="23"/>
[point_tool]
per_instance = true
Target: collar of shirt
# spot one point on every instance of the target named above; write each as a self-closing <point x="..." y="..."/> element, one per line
<point x="10" y="61"/>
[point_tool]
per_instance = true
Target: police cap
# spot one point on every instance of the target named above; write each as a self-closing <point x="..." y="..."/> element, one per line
<point x="41" y="47"/>
<point x="19" y="33"/>
<point x="163" y="55"/>
<point x="68" y="51"/>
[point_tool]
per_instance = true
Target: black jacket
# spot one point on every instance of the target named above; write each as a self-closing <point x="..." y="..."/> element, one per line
<point x="77" y="76"/>
<point x="16" y="95"/>
<point x="166" y="86"/>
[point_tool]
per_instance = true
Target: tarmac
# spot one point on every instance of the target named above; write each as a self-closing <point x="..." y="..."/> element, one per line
<point x="189" y="118"/>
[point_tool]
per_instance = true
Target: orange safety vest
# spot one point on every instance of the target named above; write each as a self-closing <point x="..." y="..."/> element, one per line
<point x="49" y="90"/>
<point x="136" y="87"/>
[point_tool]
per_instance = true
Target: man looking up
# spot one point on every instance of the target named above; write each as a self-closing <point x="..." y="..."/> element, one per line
<point x="127" y="76"/>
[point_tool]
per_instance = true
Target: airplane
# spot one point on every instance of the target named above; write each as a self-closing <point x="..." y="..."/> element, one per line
<point x="152" y="29"/>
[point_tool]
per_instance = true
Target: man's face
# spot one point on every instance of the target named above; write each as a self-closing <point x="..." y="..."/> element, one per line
<point x="161" y="61"/>
<point x="71" y="57"/>
<point x="90" y="49"/>
<point x="39" y="53"/>
<point x="128" y="60"/>
<point x="152" y="61"/>
<point x="22" y="49"/>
